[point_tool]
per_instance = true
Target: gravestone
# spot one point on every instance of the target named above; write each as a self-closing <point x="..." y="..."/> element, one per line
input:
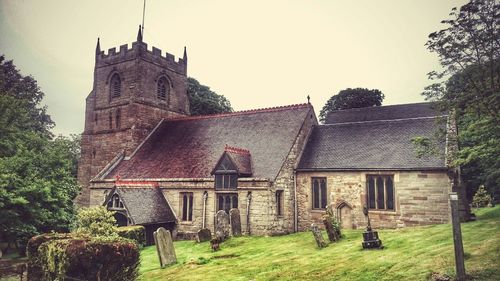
<point x="330" y="230"/>
<point x="318" y="236"/>
<point x="164" y="247"/>
<point x="204" y="235"/>
<point x="221" y="225"/>
<point x="235" y="220"/>
<point x="370" y="237"/>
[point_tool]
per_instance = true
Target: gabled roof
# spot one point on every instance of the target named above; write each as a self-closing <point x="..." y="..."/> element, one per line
<point x="374" y="144"/>
<point x="144" y="205"/>
<point x="388" y="112"/>
<point x="190" y="147"/>
<point x="239" y="158"/>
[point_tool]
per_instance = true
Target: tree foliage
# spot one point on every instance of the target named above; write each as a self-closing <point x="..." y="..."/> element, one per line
<point x="37" y="182"/>
<point x="469" y="86"/>
<point x="96" y="222"/>
<point x="351" y="98"/>
<point x="205" y="101"/>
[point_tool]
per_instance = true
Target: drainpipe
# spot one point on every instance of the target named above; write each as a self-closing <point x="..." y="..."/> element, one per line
<point x="205" y="196"/>
<point x="295" y="207"/>
<point x="249" y="199"/>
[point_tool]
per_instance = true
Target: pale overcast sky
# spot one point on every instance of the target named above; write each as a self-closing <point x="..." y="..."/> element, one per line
<point x="256" y="53"/>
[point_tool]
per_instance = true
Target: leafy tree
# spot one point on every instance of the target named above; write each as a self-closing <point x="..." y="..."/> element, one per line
<point x="205" y="101"/>
<point x="97" y="222"/>
<point x="469" y="86"/>
<point x="37" y="182"/>
<point x="481" y="198"/>
<point x="351" y="98"/>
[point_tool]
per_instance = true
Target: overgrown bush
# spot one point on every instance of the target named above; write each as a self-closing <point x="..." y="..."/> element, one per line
<point x="481" y="198"/>
<point x="97" y="222"/>
<point x="134" y="232"/>
<point x="81" y="257"/>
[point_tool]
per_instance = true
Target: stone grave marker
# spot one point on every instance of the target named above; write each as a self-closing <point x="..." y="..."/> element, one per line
<point x="330" y="230"/>
<point x="164" y="247"/>
<point x="221" y="225"/>
<point x="235" y="220"/>
<point x="318" y="236"/>
<point x="204" y="235"/>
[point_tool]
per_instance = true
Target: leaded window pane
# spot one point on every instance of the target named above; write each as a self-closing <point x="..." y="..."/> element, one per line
<point x="371" y="193"/>
<point x="190" y="208"/>
<point x="235" y="201"/>
<point x="380" y="193"/>
<point x="389" y="187"/>
<point x="323" y="193"/>
<point x="184" y="207"/>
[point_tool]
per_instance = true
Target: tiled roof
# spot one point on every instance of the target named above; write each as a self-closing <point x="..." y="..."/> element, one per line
<point x="241" y="158"/>
<point x="389" y="112"/>
<point x="190" y="147"/>
<point x="378" y="144"/>
<point x="146" y="205"/>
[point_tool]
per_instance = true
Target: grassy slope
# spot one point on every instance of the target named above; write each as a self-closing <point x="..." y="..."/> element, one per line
<point x="409" y="254"/>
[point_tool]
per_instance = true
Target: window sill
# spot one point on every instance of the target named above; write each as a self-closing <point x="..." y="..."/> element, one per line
<point x="186" y="222"/>
<point x="389" y="212"/>
<point x="318" y="210"/>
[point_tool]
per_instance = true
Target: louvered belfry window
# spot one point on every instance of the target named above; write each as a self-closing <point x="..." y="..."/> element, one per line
<point x="116" y="86"/>
<point x="162" y="88"/>
<point x="380" y="192"/>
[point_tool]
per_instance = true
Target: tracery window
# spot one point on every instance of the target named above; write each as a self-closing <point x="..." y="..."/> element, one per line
<point x="319" y="193"/>
<point x="115" y="86"/>
<point x="279" y="202"/>
<point x="163" y="88"/>
<point x="380" y="192"/>
<point x="187" y="206"/>
<point x="227" y="201"/>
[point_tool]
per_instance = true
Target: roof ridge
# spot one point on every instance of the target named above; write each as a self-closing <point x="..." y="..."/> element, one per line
<point x="241" y="112"/>
<point x="384" y="120"/>
<point x="236" y="150"/>
<point x="381" y="106"/>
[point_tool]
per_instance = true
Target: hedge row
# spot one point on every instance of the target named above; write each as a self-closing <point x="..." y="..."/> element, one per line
<point x="134" y="232"/>
<point x="76" y="257"/>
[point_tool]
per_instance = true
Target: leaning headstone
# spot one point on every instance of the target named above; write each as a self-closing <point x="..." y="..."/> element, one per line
<point x="318" y="236"/>
<point x="204" y="235"/>
<point x="221" y="225"/>
<point x="235" y="220"/>
<point x="330" y="229"/>
<point x="164" y="247"/>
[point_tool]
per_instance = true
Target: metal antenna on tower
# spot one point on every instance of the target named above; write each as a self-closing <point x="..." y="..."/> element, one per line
<point x="143" y="13"/>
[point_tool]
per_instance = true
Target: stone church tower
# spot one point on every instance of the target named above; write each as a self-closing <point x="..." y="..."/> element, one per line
<point x="133" y="90"/>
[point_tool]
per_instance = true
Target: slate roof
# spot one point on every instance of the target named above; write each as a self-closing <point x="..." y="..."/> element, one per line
<point x="375" y="144"/>
<point x="388" y="112"/>
<point x="241" y="159"/>
<point x="190" y="147"/>
<point x="145" y="205"/>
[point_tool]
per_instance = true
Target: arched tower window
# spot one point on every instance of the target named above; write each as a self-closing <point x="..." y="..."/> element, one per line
<point x="163" y="88"/>
<point x="115" y="86"/>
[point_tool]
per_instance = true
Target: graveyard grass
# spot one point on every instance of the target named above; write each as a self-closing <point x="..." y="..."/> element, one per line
<point x="409" y="254"/>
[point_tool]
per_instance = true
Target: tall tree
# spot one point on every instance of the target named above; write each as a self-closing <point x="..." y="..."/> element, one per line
<point x="351" y="98"/>
<point x="37" y="172"/>
<point x="205" y="101"/>
<point x="469" y="86"/>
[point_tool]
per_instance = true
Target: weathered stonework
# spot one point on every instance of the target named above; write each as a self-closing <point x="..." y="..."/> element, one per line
<point x="120" y="124"/>
<point x="421" y="198"/>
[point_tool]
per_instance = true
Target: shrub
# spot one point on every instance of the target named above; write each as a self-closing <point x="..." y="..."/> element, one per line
<point x="81" y="257"/>
<point x="96" y="221"/>
<point x="134" y="232"/>
<point x="481" y="198"/>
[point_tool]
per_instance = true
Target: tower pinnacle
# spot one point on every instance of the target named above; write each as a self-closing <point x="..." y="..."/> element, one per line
<point x="139" y="35"/>
<point x="98" y="47"/>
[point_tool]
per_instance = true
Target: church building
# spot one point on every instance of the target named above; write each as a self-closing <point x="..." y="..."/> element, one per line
<point x="145" y="157"/>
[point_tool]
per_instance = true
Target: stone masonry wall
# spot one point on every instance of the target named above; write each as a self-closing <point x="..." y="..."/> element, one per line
<point x="285" y="181"/>
<point x="421" y="198"/>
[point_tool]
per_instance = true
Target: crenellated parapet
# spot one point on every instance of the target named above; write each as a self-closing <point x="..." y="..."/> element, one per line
<point x="140" y="50"/>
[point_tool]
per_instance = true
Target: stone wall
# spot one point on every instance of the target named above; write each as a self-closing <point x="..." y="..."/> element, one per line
<point x="421" y="198"/>
<point x="285" y="181"/>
